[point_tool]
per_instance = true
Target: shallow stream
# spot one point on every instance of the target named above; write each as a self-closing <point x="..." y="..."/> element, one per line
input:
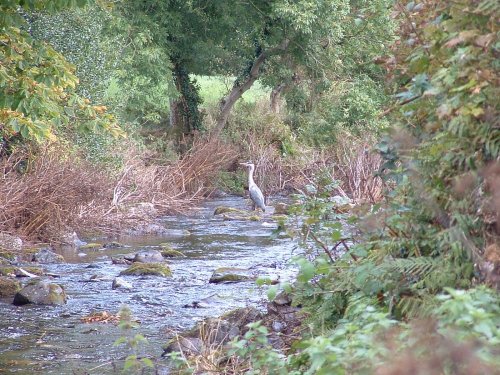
<point x="54" y="340"/>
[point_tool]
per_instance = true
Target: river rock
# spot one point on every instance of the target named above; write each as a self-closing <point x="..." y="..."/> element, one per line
<point x="40" y="292"/>
<point x="7" y="270"/>
<point x="145" y="269"/>
<point x="120" y="283"/>
<point x="148" y="256"/>
<point x="9" y="287"/>
<point x="143" y="229"/>
<point x="8" y="257"/>
<point x="241" y="217"/>
<point x="228" y="210"/>
<point x="45" y="255"/>
<point x="9" y="242"/>
<point x="281" y="209"/>
<point x="91" y="246"/>
<point x="72" y="240"/>
<point x="342" y="204"/>
<point x="171" y="253"/>
<point x="230" y="275"/>
<point x="213" y="332"/>
<point x="112" y="245"/>
<point x="168" y="252"/>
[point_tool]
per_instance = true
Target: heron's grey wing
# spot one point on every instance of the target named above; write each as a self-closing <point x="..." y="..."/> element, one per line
<point x="257" y="197"/>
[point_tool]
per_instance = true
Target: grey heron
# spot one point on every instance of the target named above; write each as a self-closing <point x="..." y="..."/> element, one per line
<point x="255" y="193"/>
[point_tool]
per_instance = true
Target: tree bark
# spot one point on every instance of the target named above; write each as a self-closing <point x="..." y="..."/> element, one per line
<point x="275" y="97"/>
<point x="228" y="102"/>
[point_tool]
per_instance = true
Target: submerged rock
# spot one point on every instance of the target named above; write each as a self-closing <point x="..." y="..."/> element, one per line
<point x="120" y="283"/>
<point x="45" y="255"/>
<point x="148" y="256"/>
<point x="8" y="287"/>
<point x="145" y="269"/>
<point x="41" y="292"/>
<point x="230" y="275"/>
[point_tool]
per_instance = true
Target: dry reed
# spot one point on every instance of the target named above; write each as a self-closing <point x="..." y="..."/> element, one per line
<point x="59" y="193"/>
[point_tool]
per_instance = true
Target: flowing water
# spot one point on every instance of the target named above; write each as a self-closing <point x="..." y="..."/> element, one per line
<point x="54" y="340"/>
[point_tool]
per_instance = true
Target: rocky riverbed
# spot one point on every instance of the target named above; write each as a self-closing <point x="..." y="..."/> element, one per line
<point x="57" y="339"/>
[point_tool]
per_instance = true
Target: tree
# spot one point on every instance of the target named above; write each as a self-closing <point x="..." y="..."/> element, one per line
<point x="37" y="84"/>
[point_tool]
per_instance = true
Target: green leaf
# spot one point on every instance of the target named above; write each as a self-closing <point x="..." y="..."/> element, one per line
<point x="271" y="292"/>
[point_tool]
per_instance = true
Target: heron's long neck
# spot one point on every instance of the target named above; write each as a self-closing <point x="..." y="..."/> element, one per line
<point x="250" y="176"/>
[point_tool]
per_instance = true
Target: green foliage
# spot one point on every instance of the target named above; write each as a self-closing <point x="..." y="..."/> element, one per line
<point x="78" y="34"/>
<point x="415" y="251"/>
<point x="255" y="347"/>
<point x="132" y="365"/>
<point x="37" y="93"/>
<point x="344" y="89"/>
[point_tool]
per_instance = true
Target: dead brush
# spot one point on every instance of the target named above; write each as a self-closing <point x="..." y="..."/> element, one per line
<point x="210" y="355"/>
<point x="355" y="165"/>
<point x="170" y="188"/>
<point x="51" y="195"/>
<point x="60" y="193"/>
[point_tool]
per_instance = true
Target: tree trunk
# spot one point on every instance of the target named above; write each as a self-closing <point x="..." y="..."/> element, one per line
<point x="275" y="104"/>
<point x="239" y="88"/>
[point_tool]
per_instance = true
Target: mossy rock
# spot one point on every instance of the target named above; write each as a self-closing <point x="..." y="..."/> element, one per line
<point x="7" y="270"/>
<point x="91" y="246"/>
<point x="147" y="269"/>
<point x="171" y="253"/>
<point x="9" y="287"/>
<point x="41" y="292"/>
<point x="228" y="210"/>
<point x="241" y="217"/>
<point x="279" y="217"/>
<point x="6" y="254"/>
<point x="224" y="275"/>
<point x="168" y="252"/>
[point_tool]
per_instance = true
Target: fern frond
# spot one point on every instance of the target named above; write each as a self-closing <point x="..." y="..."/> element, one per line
<point x="416" y="306"/>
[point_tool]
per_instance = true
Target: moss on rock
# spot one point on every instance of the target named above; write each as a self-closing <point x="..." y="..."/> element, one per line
<point x="6" y="254"/>
<point x="171" y="253"/>
<point x="228" y="210"/>
<point x="229" y="275"/>
<point x="7" y="270"/>
<point x="9" y="287"/>
<point x="145" y="269"/>
<point x="91" y="246"/>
